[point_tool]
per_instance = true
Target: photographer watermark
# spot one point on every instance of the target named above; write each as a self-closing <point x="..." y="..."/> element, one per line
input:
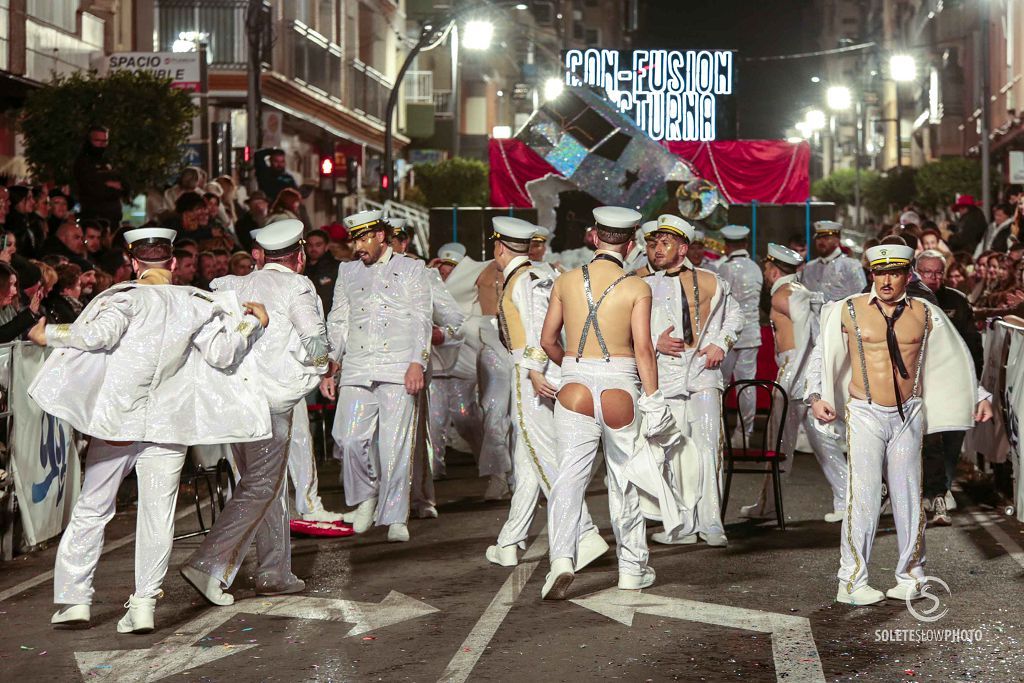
<point x="927" y="607"/>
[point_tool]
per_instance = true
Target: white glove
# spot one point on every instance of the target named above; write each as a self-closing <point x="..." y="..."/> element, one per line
<point x="658" y="422"/>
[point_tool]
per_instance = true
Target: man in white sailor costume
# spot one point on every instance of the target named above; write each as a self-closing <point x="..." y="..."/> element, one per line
<point x="292" y="356"/>
<point x="525" y="293"/>
<point x="898" y="369"/>
<point x="834" y="274"/>
<point x="380" y="329"/>
<point x="694" y="322"/>
<point x="148" y="369"/>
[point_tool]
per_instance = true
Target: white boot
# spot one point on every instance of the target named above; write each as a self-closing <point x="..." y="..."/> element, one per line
<point x="904" y="591"/>
<point x="497" y="487"/>
<point x="207" y="586"/>
<point x="503" y="556"/>
<point x="865" y="595"/>
<point x="322" y="515"/>
<point x="632" y="582"/>
<point x="558" y="580"/>
<point x="837" y="516"/>
<point x="139" y="618"/>
<point x="363" y="518"/>
<point x="398" y="533"/>
<point x="673" y="539"/>
<point x="71" y="614"/>
<point x="591" y="547"/>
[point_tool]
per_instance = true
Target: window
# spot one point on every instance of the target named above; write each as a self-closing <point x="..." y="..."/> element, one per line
<point x="593" y="36"/>
<point x="59" y="14"/>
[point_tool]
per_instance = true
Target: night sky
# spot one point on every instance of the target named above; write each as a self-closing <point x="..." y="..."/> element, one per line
<point x="770" y="94"/>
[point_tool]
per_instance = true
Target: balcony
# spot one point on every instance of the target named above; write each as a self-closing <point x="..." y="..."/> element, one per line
<point x="419" y="87"/>
<point x="367" y="90"/>
<point x="309" y="58"/>
<point x="444" y="104"/>
<point x="223" y="22"/>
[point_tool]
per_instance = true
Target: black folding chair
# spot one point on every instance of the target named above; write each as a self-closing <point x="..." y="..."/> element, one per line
<point x="213" y="477"/>
<point x="770" y="453"/>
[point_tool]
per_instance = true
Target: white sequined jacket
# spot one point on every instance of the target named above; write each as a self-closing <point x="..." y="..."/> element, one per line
<point x="446" y="315"/>
<point x="380" y="322"/>
<point x="745" y="284"/>
<point x="156" y="363"/>
<point x="292" y="353"/>
<point x="836" y="276"/>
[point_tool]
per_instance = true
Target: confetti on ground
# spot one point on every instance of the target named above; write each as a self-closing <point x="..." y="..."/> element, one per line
<point x="248" y="628"/>
<point x="369" y="637"/>
<point x="26" y="647"/>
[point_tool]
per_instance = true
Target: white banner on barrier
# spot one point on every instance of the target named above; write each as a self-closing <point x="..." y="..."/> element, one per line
<point x="45" y="457"/>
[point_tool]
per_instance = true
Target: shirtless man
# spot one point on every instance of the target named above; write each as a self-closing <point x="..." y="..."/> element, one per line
<point x="524" y="300"/>
<point x="606" y="316"/>
<point x="494" y="370"/>
<point x="694" y="322"/>
<point x="898" y="367"/>
<point x="792" y="312"/>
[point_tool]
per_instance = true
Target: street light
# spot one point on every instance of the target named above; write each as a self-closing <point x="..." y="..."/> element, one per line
<point x="815" y="119"/>
<point x="553" y="87"/>
<point x="838" y="98"/>
<point x="902" y="68"/>
<point x="478" y="34"/>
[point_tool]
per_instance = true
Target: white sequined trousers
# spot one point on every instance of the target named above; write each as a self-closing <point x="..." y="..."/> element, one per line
<point x="257" y="510"/>
<point x="453" y="400"/>
<point x="699" y="417"/>
<point x="494" y="369"/>
<point x="577" y="438"/>
<point x="158" y="468"/>
<point x="302" y="463"/>
<point x="422" y="493"/>
<point x="374" y="429"/>
<point x="535" y="458"/>
<point x="882" y="443"/>
<point x="741" y="364"/>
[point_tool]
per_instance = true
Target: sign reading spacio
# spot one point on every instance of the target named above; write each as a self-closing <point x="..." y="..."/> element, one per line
<point x="671" y="94"/>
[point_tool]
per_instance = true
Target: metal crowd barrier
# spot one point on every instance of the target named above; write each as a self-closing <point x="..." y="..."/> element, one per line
<point x="8" y="501"/>
<point x="1003" y="375"/>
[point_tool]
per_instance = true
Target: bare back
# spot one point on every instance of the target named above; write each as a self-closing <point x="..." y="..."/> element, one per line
<point x="487" y="285"/>
<point x="613" y="314"/>
<point x="782" y="323"/>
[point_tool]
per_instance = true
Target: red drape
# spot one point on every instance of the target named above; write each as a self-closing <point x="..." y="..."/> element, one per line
<point x="513" y="164"/>
<point x="769" y="171"/>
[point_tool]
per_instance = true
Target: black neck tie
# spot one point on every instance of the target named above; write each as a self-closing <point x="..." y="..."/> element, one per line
<point x="608" y="257"/>
<point x="687" y="323"/>
<point x="895" y="357"/>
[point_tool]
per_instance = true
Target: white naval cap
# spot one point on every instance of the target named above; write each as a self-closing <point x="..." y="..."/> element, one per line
<point x="734" y="233"/>
<point x="452" y="252"/>
<point x="777" y="252"/>
<point x="132" y="236"/>
<point x="827" y="228"/>
<point x="910" y="218"/>
<point x="279" y="235"/>
<point x="617" y="217"/>
<point x="649" y="228"/>
<point x="698" y="235"/>
<point x="889" y="256"/>
<point x="398" y="225"/>
<point x="362" y="222"/>
<point x="541" y="234"/>
<point x="674" y="225"/>
<point x="509" y="229"/>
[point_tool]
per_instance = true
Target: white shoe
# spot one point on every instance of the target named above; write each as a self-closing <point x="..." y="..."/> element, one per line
<point x="950" y="501"/>
<point x="558" y="580"/>
<point x="362" y="520"/>
<point x="672" y="539"/>
<point x="632" y="582"/>
<point x="865" y="595"/>
<point x="323" y="515"/>
<point x="497" y="487"/>
<point x="398" y="533"/>
<point x="833" y="517"/>
<point x="139" y="618"/>
<point x="940" y="515"/>
<point x="207" y="586"/>
<point x="71" y="614"/>
<point x="590" y="547"/>
<point x="715" y="540"/>
<point x="756" y="511"/>
<point x="293" y="584"/>
<point x="904" y="591"/>
<point x="502" y="555"/>
<point x="425" y="512"/>
<point x="926" y="503"/>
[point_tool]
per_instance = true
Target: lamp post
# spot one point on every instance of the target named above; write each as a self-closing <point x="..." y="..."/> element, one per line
<point x="902" y="69"/>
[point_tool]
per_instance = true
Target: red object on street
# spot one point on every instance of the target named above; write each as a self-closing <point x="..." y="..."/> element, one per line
<point x="329" y="529"/>
<point x="766" y="369"/>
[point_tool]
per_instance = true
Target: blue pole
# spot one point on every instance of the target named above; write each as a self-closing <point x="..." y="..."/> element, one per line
<point x="807" y="227"/>
<point x="455" y="224"/>
<point x="753" y="229"/>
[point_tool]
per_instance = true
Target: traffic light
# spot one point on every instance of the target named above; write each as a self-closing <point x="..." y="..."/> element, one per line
<point x="326" y="165"/>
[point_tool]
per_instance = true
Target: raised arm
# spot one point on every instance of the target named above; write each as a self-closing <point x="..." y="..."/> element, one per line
<point x="223" y="341"/>
<point x="98" y="329"/>
<point x="307" y="317"/>
<point x="447" y="315"/>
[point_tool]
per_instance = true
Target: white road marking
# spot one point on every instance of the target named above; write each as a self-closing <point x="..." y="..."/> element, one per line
<point x="107" y="547"/>
<point x="176" y="653"/>
<point x="990" y="524"/>
<point x="793" y="649"/>
<point x="461" y="665"/>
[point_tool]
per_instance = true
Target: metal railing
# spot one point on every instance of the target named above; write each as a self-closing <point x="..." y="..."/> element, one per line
<point x="444" y="104"/>
<point x="419" y="87"/>
<point x="417" y="219"/>
<point x="308" y="57"/>
<point x="223" y="22"/>
<point x="59" y="14"/>
<point x="366" y="89"/>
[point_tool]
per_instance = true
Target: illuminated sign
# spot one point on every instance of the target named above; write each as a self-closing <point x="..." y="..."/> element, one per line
<point x="671" y="94"/>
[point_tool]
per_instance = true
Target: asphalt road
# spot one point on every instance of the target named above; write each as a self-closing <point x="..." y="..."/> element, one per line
<point x="433" y="609"/>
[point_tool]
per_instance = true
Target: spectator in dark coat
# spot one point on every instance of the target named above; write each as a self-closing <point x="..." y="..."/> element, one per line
<point x="64" y="303"/>
<point x="1002" y="216"/>
<point x="253" y="219"/>
<point x="272" y="175"/>
<point x="971" y="225"/>
<point x="23" y="221"/>
<point x="16" y="320"/>
<point x="100" y="188"/>
<point x="321" y="266"/>
<point x="60" y="209"/>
